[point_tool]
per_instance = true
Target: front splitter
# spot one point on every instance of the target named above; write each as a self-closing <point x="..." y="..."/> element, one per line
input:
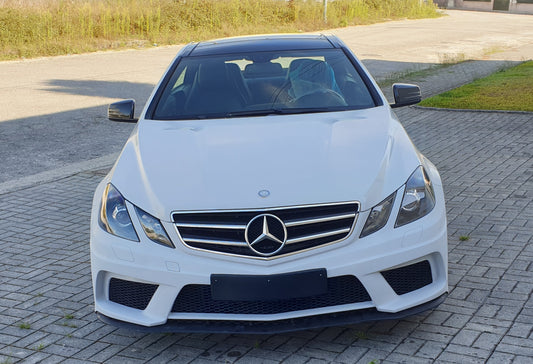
<point x="273" y="327"/>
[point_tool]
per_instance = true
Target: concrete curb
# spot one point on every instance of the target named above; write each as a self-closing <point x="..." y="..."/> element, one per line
<point x="474" y="110"/>
<point x="57" y="174"/>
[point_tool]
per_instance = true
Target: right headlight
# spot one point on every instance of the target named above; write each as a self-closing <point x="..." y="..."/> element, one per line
<point x="114" y="217"/>
<point x="418" y="198"/>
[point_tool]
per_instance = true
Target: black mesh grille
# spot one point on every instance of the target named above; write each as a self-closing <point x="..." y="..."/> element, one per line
<point x="409" y="278"/>
<point x="225" y="231"/>
<point x="341" y="290"/>
<point x="131" y="294"/>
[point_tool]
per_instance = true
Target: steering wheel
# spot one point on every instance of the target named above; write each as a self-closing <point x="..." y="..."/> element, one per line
<point x="323" y="97"/>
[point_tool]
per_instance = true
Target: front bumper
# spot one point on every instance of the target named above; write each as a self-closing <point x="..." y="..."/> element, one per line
<point x="165" y="272"/>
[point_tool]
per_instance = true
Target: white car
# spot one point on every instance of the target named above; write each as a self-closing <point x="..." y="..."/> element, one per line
<point x="267" y="187"/>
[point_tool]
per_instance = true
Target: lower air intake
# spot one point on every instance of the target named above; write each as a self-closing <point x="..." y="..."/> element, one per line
<point x="132" y="294"/>
<point x="409" y="278"/>
<point x="196" y="298"/>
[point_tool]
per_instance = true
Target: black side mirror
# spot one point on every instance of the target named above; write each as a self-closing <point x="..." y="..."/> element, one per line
<point x="122" y="111"/>
<point x="405" y="94"/>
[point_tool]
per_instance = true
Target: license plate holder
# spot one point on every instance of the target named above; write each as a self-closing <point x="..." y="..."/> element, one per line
<point x="237" y="287"/>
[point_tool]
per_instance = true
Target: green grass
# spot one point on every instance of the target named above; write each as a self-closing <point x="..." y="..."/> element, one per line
<point x="511" y="89"/>
<point x="24" y="325"/>
<point x="31" y="28"/>
<point x="40" y="347"/>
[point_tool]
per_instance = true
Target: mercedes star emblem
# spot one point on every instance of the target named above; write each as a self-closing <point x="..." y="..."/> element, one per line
<point x="266" y="234"/>
<point x="264" y="193"/>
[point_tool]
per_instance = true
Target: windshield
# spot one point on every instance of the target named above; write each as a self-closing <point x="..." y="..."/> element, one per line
<point x="262" y="83"/>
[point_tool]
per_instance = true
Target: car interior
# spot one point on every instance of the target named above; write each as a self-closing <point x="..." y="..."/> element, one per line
<point x="218" y="87"/>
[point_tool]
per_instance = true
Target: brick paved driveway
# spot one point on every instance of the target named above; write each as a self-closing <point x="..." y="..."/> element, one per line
<point x="486" y="160"/>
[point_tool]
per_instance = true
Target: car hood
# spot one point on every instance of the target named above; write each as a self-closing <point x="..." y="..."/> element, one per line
<point x="302" y="159"/>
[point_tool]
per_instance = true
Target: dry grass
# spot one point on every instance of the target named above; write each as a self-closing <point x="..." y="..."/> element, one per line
<point x="30" y="28"/>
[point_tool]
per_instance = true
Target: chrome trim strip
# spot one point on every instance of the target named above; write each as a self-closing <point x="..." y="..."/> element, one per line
<point x="318" y="236"/>
<point x="264" y="209"/>
<point x="215" y="242"/>
<point x="318" y="220"/>
<point x="210" y="226"/>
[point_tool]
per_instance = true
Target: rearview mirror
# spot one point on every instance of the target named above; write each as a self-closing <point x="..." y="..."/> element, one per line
<point x="122" y="111"/>
<point x="405" y="94"/>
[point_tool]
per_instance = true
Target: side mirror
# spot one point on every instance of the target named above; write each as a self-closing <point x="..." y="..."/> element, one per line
<point x="122" y="111"/>
<point x="405" y="94"/>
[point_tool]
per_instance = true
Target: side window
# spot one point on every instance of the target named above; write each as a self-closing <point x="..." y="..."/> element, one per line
<point x="172" y="101"/>
<point x="181" y="79"/>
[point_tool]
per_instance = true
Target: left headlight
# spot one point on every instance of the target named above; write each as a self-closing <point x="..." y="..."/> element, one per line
<point x="418" y="198"/>
<point x="378" y="217"/>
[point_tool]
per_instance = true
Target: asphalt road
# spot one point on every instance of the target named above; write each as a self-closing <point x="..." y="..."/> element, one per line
<point x="53" y="110"/>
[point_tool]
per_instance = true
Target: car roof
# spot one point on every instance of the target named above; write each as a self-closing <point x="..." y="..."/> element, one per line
<point x="275" y="42"/>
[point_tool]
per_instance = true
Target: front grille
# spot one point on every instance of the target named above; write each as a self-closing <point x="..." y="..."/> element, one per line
<point x="409" y="278"/>
<point x="131" y="294"/>
<point x="307" y="227"/>
<point x="196" y="298"/>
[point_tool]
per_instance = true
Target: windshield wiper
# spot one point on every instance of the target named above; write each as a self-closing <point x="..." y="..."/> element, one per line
<point x="254" y="113"/>
<point x="279" y="111"/>
<point x="306" y="110"/>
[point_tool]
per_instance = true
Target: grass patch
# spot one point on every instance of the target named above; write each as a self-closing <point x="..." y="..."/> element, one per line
<point x="31" y="28"/>
<point x="511" y="89"/>
<point x="24" y="326"/>
<point x="40" y="347"/>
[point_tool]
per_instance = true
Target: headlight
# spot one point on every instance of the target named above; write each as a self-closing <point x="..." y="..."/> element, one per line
<point x="378" y="216"/>
<point x="153" y="228"/>
<point x="418" y="199"/>
<point x="114" y="217"/>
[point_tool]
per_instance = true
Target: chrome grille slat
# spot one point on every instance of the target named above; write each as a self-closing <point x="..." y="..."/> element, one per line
<point x="322" y="219"/>
<point x="216" y="242"/>
<point x="211" y="226"/>
<point x="318" y="236"/>
<point x="307" y="227"/>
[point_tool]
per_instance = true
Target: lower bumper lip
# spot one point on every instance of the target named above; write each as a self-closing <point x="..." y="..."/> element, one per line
<point x="271" y="327"/>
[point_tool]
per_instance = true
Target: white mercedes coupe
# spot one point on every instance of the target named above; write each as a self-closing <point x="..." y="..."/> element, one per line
<point x="267" y="187"/>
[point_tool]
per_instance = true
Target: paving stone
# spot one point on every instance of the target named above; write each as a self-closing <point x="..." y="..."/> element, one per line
<point x="317" y="353"/>
<point x="521" y="330"/>
<point x="36" y="358"/>
<point x="407" y="359"/>
<point x="352" y="354"/>
<point x="431" y="350"/>
<point x="520" y="359"/>
<point x="500" y="358"/>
